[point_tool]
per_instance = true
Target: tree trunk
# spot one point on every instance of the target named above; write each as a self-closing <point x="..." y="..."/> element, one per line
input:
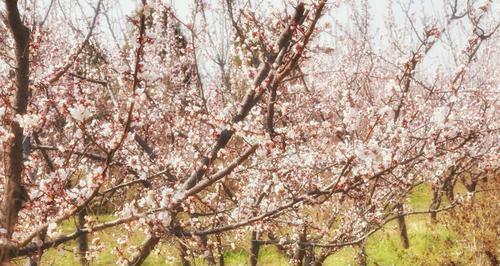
<point x="450" y="189"/>
<point x="471" y="187"/>
<point x="33" y="260"/>
<point x="361" y="256"/>
<point x="300" y="251"/>
<point x="309" y="258"/>
<point x="15" y="194"/>
<point x="146" y="249"/>
<point x="254" y="248"/>
<point x="435" y="203"/>
<point x="318" y="260"/>
<point x="403" y="233"/>
<point x="209" y="255"/>
<point x="449" y="184"/>
<point x="83" y="240"/>
<point x="220" y="250"/>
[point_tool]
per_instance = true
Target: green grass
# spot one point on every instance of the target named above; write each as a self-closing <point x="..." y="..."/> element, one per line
<point x="343" y="257"/>
<point x="429" y="245"/>
<point x="268" y="255"/>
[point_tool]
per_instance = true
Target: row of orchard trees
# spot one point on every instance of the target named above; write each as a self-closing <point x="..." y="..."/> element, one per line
<point x="296" y="125"/>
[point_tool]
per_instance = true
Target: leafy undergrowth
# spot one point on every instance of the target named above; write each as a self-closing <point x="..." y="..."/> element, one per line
<point x="429" y="245"/>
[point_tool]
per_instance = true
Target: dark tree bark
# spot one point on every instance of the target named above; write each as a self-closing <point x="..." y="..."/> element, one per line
<point x="300" y="251"/>
<point x="309" y="258"/>
<point x="449" y="184"/>
<point x="471" y="187"/>
<point x="220" y="250"/>
<point x="403" y="232"/>
<point x="254" y="248"/>
<point x="83" y="240"/>
<point x="361" y="258"/>
<point x="435" y="203"/>
<point x="36" y="257"/>
<point x="146" y="249"/>
<point x="15" y="194"/>
<point x="320" y="258"/>
<point x="447" y="187"/>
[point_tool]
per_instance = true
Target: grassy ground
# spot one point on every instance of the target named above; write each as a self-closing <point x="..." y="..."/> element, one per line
<point x="429" y="245"/>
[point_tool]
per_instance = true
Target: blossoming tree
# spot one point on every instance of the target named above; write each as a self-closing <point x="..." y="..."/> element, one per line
<point x="272" y="131"/>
